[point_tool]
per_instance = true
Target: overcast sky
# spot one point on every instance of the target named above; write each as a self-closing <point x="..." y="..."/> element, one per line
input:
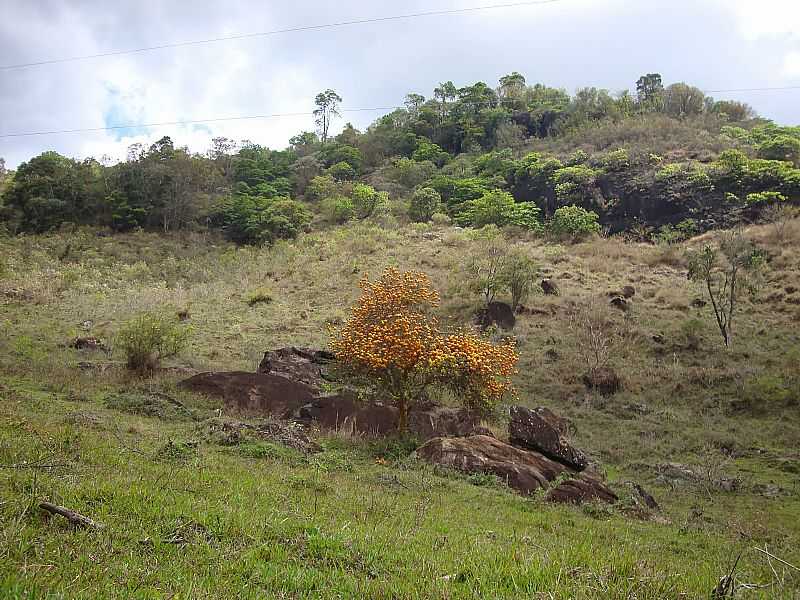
<point x="714" y="44"/>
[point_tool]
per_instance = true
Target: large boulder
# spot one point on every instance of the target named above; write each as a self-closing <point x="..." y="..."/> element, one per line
<point x="271" y="394"/>
<point x="543" y="431"/>
<point x="253" y="393"/>
<point x="522" y="470"/>
<point x="305" y="365"/>
<point x="579" y="490"/>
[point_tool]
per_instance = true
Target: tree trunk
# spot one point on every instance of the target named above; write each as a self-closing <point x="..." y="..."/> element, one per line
<point x="402" y="415"/>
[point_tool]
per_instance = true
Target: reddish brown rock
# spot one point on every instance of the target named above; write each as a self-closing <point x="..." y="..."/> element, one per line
<point x="543" y="431"/>
<point x="270" y="394"/>
<point x="253" y="393"/>
<point x="524" y="471"/>
<point x="579" y="490"/>
<point x="304" y="365"/>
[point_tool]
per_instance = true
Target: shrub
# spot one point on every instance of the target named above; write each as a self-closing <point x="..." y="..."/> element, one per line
<point x="411" y="173"/>
<point x="338" y="209"/>
<point x="149" y="338"/>
<point x="486" y="264"/>
<point x="779" y="216"/>
<point x="518" y="273"/>
<point x="392" y="343"/>
<point x="257" y="220"/>
<point x="258" y="296"/>
<point x="366" y="200"/>
<point x="424" y="204"/>
<point x="440" y="219"/>
<point x="764" y="198"/>
<point x="342" y="171"/>
<point x="321" y="187"/>
<point x="573" y="222"/>
<point x="781" y="147"/>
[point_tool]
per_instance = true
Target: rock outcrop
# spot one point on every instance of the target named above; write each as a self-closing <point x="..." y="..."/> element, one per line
<point x="522" y="470"/>
<point x="304" y="365"/>
<point x="542" y="431"/>
<point x="289" y="386"/>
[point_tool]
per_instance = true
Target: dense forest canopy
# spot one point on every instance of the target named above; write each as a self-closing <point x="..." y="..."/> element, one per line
<point x="665" y="158"/>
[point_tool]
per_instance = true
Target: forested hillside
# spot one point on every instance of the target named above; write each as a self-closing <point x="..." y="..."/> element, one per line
<point x="665" y="162"/>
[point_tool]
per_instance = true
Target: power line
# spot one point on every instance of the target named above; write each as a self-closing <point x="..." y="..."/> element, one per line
<point x="187" y="122"/>
<point x="241" y="36"/>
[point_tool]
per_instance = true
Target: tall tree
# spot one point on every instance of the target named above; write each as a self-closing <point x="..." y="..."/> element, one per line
<point x="327" y="108"/>
<point x="649" y="91"/>
<point x="512" y="89"/>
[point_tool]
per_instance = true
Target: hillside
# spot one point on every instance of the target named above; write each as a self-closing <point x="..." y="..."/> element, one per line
<point x="666" y="162"/>
<point x="711" y="432"/>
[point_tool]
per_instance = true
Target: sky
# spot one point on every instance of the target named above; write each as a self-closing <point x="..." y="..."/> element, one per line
<point x="713" y="44"/>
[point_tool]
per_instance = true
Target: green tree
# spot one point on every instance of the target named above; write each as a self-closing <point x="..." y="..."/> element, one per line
<point x="327" y="108"/>
<point x="425" y="202"/>
<point x="499" y="208"/>
<point x="683" y="100"/>
<point x="650" y="92"/>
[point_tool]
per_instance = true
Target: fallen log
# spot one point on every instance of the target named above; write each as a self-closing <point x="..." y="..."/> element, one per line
<point x="76" y="519"/>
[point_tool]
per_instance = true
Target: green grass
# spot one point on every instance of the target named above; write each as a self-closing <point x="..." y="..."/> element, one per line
<point x="186" y="517"/>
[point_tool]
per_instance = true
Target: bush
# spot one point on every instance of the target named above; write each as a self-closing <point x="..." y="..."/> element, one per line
<point x="321" y="187"/>
<point x="424" y="204"/>
<point x="338" y="209"/>
<point x="573" y="222"/>
<point x="366" y="200"/>
<point x="251" y="219"/>
<point x="440" y="219"/>
<point x="150" y="338"/>
<point x="499" y="208"/>
<point x="342" y="171"/>
<point x="518" y="273"/>
<point x="764" y="198"/>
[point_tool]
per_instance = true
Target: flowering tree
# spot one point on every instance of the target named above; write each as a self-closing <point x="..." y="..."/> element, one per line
<point x="393" y="343"/>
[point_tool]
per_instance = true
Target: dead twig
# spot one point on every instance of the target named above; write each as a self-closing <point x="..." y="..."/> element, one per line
<point x="780" y="560"/>
<point x="726" y="586"/>
<point x="76" y="519"/>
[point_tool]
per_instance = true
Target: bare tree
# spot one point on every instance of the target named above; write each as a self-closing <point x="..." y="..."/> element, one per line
<point x="727" y="269"/>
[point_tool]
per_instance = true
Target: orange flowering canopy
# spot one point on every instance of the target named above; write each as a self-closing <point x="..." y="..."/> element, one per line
<point x="393" y="342"/>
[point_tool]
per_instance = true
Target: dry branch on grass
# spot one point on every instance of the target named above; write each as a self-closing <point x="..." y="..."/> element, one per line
<point x="76" y="519"/>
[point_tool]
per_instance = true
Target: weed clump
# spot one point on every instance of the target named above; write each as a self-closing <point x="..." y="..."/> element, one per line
<point x="148" y="339"/>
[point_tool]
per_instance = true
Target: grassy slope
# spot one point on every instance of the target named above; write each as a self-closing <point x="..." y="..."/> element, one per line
<point x="266" y="522"/>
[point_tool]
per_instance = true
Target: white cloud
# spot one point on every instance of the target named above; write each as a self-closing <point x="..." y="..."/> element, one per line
<point x="765" y="18"/>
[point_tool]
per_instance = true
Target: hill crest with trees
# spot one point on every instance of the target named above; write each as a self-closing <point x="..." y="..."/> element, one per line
<point x="665" y="162"/>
